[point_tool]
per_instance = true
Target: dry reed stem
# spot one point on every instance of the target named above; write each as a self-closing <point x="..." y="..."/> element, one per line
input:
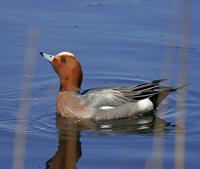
<point x="158" y="140"/>
<point x="180" y="136"/>
<point x="158" y="145"/>
<point x="24" y="107"/>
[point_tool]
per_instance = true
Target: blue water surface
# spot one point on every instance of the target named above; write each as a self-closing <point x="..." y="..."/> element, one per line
<point x="118" y="42"/>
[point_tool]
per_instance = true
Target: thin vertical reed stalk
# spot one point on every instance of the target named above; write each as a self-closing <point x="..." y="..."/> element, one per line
<point x="24" y="107"/>
<point x="158" y="142"/>
<point x="180" y="136"/>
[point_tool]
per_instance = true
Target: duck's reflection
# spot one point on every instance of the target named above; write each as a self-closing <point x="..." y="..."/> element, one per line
<point x="69" y="147"/>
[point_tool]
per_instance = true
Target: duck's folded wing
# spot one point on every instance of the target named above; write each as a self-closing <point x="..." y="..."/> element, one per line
<point x="104" y="97"/>
<point x="117" y="96"/>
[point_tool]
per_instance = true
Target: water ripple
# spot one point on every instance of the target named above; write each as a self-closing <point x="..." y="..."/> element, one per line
<point x="45" y="127"/>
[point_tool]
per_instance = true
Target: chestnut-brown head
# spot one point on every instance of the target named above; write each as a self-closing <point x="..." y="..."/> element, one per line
<point x="68" y="69"/>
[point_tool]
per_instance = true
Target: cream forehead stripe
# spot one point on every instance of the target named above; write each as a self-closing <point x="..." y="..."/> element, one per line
<point x="66" y="53"/>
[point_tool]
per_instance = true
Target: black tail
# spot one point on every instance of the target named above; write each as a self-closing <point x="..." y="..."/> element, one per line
<point x="162" y="93"/>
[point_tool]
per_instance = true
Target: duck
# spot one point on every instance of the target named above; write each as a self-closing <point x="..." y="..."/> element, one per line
<point x="104" y="103"/>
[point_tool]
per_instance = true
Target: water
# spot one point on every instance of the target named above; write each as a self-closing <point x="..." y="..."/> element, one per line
<point x="118" y="43"/>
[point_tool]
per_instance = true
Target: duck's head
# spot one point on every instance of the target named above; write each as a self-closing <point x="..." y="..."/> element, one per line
<point x="68" y="68"/>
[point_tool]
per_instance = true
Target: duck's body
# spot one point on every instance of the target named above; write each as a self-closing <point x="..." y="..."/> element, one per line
<point x="102" y="103"/>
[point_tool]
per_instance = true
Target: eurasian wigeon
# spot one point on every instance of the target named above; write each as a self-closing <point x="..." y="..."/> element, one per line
<point x="101" y="103"/>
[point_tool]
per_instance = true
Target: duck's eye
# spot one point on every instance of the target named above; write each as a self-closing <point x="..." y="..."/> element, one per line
<point x="63" y="60"/>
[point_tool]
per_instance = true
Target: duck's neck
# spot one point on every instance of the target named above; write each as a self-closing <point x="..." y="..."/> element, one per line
<point x="70" y="85"/>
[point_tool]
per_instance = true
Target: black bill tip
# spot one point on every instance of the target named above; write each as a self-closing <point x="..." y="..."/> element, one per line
<point x="42" y="53"/>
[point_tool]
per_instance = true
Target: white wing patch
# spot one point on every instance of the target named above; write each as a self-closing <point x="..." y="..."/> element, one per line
<point x="106" y="107"/>
<point x="145" y="105"/>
